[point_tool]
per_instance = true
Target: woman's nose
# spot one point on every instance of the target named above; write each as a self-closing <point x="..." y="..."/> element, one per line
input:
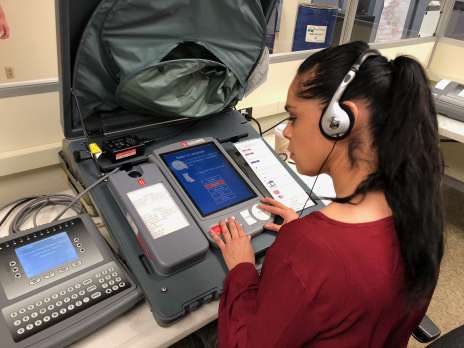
<point x="287" y="133"/>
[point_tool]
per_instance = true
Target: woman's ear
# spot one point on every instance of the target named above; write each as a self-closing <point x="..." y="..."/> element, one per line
<point x="357" y="111"/>
<point x="353" y="107"/>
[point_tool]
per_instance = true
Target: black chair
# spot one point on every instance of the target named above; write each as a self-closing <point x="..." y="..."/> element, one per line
<point x="427" y="331"/>
<point x="453" y="339"/>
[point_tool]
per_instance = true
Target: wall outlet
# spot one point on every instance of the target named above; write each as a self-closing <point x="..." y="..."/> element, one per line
<point x="9" y="72"/>
<point x="246" y="112"/>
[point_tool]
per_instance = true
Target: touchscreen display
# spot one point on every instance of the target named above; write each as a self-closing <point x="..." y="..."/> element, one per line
<point x="46" y="254"/>
<point x="208" y="178"/>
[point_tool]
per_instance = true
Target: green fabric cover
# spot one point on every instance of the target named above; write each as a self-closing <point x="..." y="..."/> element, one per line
<point x="188" y="58"/>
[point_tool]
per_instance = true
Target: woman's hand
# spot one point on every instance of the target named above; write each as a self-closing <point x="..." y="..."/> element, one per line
<point x="235" y="245"/>
<point x="274" y="207"/>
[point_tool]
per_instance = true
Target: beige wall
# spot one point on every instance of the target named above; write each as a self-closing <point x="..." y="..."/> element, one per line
<point x="30" y="132"/>
<point x="270" y="98"/>
<point x="31" y="49"/>
<point x="447" y="61"/>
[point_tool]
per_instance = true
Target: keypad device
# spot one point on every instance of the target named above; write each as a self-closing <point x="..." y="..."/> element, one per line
<point x="70" y="252"/>
<point x="36" y="313"/>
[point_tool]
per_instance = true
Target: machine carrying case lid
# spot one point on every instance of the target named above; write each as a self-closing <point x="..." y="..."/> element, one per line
<point x="152" y="61"/>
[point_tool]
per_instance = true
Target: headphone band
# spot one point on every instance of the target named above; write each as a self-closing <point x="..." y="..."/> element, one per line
<point x="335" y="122"/>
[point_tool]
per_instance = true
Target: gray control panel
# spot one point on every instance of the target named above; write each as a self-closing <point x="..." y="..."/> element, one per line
<point x="56" y="281"/>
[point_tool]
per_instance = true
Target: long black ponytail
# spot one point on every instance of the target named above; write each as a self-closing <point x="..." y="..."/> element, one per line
<point x="404" y="129"/>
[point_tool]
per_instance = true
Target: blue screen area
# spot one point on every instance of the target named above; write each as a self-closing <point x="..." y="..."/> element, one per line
<point x="208" y="178"/>
<point x="46" y="254"/>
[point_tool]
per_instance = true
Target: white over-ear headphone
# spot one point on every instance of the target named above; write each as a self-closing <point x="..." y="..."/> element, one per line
<point x="337" y="120"/>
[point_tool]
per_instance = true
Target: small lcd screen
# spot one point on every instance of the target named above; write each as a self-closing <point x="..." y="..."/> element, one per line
<point x="205" y="174"/>
<point x="46" y="254"/>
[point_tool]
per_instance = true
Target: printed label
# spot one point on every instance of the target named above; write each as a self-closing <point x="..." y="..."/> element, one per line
<point x="158" y="210"/>
<point x="316" y="33"/>
<point x="126" y="153"/>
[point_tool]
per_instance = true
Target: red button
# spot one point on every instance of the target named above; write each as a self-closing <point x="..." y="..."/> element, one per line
<point x="141" y="182"/>
<point x="216" y="229"/>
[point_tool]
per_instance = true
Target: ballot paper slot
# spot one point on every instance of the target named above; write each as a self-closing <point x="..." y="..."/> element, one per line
<point x="146" y="264"/>
<point x="237" y="157"/>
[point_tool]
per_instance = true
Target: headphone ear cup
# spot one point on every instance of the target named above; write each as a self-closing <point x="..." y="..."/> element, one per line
<point x="351" y="120"/>
<point x="336" y="122"/>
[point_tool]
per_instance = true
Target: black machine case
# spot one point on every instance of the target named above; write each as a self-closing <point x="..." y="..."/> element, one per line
<point x="170" y="296"/>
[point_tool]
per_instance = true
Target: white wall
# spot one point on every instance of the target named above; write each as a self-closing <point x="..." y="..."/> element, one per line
<point x="447" y="61"/>
<point x="270" y="98"/>
<point x="30" y="132"/>
<point x="31" y="49"/>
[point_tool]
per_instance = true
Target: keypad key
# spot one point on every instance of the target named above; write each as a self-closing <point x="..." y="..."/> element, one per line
<point x="29" y="327"/>
<point x="42" y="311"/>
<point x="17" y="322"/>
<point x="20" y="331"/>
<point x="26" y="318"/>
<point x="22" y="310"/>
<point x="14" y="314"/>
<point x="34" y="315"/>
<point x="46" y="319"/>
<point x="38" y="322"/>
<point x="55" y="315"/>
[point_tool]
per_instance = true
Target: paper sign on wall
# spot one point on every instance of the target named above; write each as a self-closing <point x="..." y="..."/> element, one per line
<point x="316" y="33"/>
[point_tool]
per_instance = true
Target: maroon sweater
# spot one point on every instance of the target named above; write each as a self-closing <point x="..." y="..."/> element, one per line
<point x="324" y="284"/>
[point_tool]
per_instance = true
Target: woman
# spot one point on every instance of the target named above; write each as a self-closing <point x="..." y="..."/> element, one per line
<point x="361" y="272"/>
